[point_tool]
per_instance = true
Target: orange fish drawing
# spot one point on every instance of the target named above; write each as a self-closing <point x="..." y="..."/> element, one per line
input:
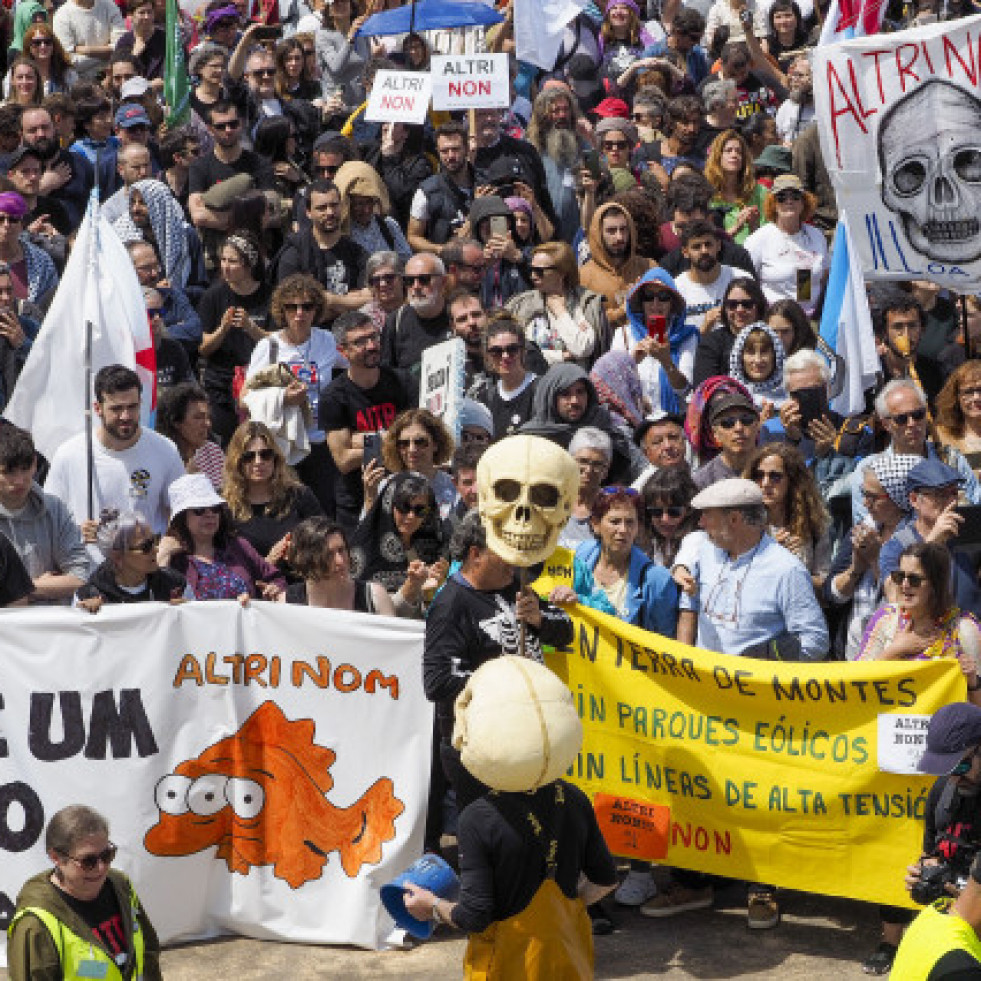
<point x="259" y="796"/>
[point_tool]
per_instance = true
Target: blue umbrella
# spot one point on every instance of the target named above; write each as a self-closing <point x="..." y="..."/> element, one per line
<point x="430" y="15"/>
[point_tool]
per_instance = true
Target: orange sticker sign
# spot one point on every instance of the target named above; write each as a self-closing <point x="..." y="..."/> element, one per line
<point x="633" y="828"/>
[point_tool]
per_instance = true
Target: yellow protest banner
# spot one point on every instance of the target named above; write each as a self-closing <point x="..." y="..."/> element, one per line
<point x="796" y="774"/>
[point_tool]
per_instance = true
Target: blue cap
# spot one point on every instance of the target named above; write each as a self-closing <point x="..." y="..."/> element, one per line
<point x="932" y="474"/>
<point x="954" y="730"/>
<point x="131" y="114"/>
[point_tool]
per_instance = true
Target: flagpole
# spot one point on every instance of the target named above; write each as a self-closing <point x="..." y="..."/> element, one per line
<point x="89" y="457"/>
<point x="967" y="337"/>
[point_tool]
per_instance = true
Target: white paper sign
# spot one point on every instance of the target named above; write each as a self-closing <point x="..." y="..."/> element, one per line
<point x="900" y="126"/>
<point x="399" y="97"/>
<point x="902" y="740"/>
<point x="470" y="81"/>
<point x="442" y="381"/>
<point x="264" y="771"/>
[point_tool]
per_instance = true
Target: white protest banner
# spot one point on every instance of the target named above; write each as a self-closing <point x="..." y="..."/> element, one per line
<point x="399" y="97"/>
<point x="470" y="81"/>
<point x="442" y="381"/>
<point x="264" y="770"/>
<point x="899" y="118"/>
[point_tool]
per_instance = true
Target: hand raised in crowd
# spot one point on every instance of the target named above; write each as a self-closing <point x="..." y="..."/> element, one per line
<point x="563" y="596"/>
<point x="42" y="226"/>
<point x="55" y="178"/>
<point x="866" y="544"/>
<point x="526" y="608"/>
<point x="372" y="474"/>
<point x="415" y="580"/>
<point x="824" y="433"/>
<point x="11" y="329"/>
<point x="279" y="551"/>
<point x="649" y="347"/>
<point x="89" y="529"/>
<point x="948" y="525"/>
<point x="711" y="320"/>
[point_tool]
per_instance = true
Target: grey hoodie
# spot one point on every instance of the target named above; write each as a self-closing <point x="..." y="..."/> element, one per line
<point x="45" y="536"/>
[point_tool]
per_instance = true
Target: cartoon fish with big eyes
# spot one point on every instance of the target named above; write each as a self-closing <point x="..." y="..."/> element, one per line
<point x="258" y="795"/>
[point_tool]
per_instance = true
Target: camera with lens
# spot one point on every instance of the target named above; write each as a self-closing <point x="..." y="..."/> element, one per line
<point x="934" y="880"/>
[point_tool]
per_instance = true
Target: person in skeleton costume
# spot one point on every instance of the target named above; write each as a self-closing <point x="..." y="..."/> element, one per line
<point x="930" y="164"/>
<point x="527" y="844"/>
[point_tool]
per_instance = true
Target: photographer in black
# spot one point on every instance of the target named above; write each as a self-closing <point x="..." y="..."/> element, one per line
<point x="951" y="842"/>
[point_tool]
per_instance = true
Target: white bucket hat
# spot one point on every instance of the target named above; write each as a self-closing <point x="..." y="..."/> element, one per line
<point x="192" y="491"/>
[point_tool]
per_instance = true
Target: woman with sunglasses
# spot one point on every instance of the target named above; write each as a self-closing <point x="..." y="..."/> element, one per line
<point x="669" y="516"/>
<point x="131" y="572"/>
<point x="400" y="543"/>
<point x="743" y="303"/>
<point x="419" y="442"/>
<point x="264" y="497"/>
<point x="790" y="255"/>
<point x="383" y="271"/>
<point x="202" y="545"/>
<point x="321" y="555"/>
<point x="49" y="56"/>
<point x="81" y="911"/>
<point x="959" y="413"/>
<point x="797" y="516"/>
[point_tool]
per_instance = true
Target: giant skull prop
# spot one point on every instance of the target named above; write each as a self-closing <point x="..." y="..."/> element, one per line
<point x="527" y="487"/>
<point x="930" y="163"/>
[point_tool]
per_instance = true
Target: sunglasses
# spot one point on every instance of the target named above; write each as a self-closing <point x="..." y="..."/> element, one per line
<point x="901" y="418"/>
<point x="147" y="547"/>
<point x="661" y="296"/>
<point x="299" y="307"/>
<point x="9" y="220"/>
<point x="508" y="350"/>
<point x="969" y="393"/>
<point x="423" y="279"/>
<point x="249" y="456"/>
<point x="263" y="73"/>
<point x="729" y="422"/>
<point x="784" y="196"/>
<point x="964" y="767"/>
<point x="420" y="442"/>
<point x="672" y="512"/>
<point x="615" y="144"/>
<point x="201" y="512"/>
<point x="774" y="476"/>
<point x="539" y="270"/>
<point x="89" y="863"/>
<point x="628" y="491"/>
<point x="913" y="578"/>
<point x="419" y="510"/>
<point x="42" y="42"/>
<point x="740" y="304"/>
<point x="326" y="171"/>
<point x="227" y="126"/>
<point x="383" y="279"/>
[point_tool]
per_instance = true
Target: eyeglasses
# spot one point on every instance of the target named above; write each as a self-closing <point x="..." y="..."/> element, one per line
<point x="661" y="296"/>
<point x="305" y="307"/>
<point x="419" y="510"/>
<point x="913" y="578"/>
<point x="227" y="126"/>
<point x="264" y="73"/>
<point x="774" y="476"/>
<point x="249" y="456"/>
<point x="872" y="495"/>
<point x="615" y="144"/>
<point x="146" y="547"/>
<point x="784" y="196"/>
<point x="423" y="279"/>
<point x="671" y="512"/>
<point x="902" y="418"/>
<point x="735" y="304"/>
<point x="201" y="512"/>
<point x="383" y="279"/>
<point x="728" y="422"/>
<point x="419" y="442"/>
<point x="9" y="220"/>
<point x="359" y="342"/>
<point x="89" y="863"/>
<point x="539" y="270"/>
<point x="505" y="351"/>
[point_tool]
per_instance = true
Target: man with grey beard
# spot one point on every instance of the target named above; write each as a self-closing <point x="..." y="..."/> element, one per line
<point x="797" y="110"/>
<point x="420" y="322"/>
<point x="553" y="132"/>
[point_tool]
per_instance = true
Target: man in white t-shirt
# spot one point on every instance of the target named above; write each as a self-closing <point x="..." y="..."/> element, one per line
<point x="704" y="284"/>
<point x="133" y="468"/>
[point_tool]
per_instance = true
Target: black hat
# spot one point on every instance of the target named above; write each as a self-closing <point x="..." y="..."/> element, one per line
<point x="507" y="170"/>
<point x="953" y="730"/>
<point x="20" y="153"/>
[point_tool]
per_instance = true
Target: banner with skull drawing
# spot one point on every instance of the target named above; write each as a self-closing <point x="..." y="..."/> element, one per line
<point x="264" y="771"/>
<point x="900" y="127"/>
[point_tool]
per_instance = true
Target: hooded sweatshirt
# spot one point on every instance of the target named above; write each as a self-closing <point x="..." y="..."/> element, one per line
<point x="23" y="19"/>
<point x="682" y="337"/>
<point x="31" y="953"/>
<point x="45" y="536"/>
<point x="602" y="275"/>
<point x="503" y="279"/>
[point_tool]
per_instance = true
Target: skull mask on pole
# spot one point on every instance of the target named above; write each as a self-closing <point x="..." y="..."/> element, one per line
<point x="527" y="487"/>
<point x="930" y="166"/>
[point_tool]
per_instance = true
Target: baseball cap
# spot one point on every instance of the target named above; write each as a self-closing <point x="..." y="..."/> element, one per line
<point x="134" y="88"/>
<point x="131" y="115"/>
<point x="613" y="107"/>
<point x="953" y="731"/>
<point x="931" y="474"/>
<point x="787" y="182"/>
<point x="20" y="154"/>
<point x="730" y="400"/>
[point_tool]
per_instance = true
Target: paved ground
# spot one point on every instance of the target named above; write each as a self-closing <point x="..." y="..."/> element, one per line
<point x="818" y="938"/>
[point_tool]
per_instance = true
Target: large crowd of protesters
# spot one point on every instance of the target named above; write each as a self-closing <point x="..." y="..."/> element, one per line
<point x="635" y="256"/>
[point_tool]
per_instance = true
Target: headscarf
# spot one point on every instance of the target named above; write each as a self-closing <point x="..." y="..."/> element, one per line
<point x="357" y="177"/>
<point x="167" y="222"/>
<point x="377" y="553"/>
<point x="892" y="471"/>
<point x="222" y="13"/>
<point x="679" y="330"/>
<point x="697" y="427"/>
<point x="23" y="18"/>
<point x="770" y="388"/>
<point x="619" y="388"/>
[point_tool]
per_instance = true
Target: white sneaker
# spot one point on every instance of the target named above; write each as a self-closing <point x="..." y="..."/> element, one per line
<point x="636" y="889"/>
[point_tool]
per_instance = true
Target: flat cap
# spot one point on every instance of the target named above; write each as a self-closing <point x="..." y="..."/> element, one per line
<point x="733" y="492"/>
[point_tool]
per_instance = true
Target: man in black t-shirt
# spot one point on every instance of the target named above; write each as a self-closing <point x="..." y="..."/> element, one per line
<point x="365" y="399"/>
